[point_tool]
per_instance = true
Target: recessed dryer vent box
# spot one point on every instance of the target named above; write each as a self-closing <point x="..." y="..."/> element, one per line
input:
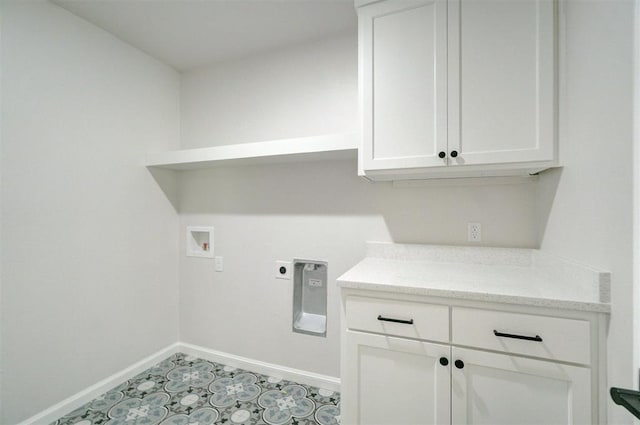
<point x="200" y="241"/>
<point x="310" y="297"/>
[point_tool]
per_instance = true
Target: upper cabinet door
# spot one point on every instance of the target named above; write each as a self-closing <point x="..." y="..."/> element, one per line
<point x="501" y="81"/>
<point x="403" y="77"/>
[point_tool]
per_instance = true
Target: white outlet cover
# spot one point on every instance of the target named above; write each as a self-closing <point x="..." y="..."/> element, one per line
<point x="219" y="263"/>
<point x="288" y="270"/>
<point x="474" y="232"/>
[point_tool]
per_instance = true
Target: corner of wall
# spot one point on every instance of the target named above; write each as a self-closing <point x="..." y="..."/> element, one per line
<point x="1" y="297"/>
<point x="636" y="196"/>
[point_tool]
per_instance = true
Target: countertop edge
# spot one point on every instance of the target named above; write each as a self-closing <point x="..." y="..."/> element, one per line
<point x="478" y="296"/>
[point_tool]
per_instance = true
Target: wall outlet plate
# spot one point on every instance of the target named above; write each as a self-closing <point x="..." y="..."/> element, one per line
<point x="474" y="232"/>
<point x="219" y="263"/>
<point x="284" y="270"/>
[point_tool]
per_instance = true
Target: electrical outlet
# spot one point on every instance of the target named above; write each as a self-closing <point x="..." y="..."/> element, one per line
<point x="474" y="232"/>
<point x="219" y="263"/>
<point x="283" y="270"/>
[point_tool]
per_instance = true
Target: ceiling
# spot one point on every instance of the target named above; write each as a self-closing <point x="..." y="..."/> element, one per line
<point x="187" y="34"/>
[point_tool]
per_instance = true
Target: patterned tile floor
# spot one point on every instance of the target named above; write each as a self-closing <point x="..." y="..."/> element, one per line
<point x="186" y="390"/>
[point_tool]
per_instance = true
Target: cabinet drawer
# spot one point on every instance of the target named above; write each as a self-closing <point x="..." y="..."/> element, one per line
<point x="401" y="318"/>
<point x="546" y="337"/>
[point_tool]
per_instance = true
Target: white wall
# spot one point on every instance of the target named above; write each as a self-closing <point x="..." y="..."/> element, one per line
<point x="586" y="208"/>
<point x="636" y="195"/>
<point x="89" y="264"/>
<point x="301" y="91"/>
<point x="1" y="350"/>
<point x="316" y="210"/>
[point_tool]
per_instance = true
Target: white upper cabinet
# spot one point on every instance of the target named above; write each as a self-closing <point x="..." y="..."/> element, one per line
<point x="404" y="83"/>
<point x="501" y="81"/>
<point x="457" y="88"/>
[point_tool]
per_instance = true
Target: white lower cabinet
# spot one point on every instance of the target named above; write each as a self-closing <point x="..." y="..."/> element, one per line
<point x="397" y="381"/>
<point x="499" y="389"/>
<point x="523" y="372"/>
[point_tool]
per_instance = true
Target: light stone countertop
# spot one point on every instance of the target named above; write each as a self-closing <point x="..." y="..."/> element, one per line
<point x="514" y="276"/>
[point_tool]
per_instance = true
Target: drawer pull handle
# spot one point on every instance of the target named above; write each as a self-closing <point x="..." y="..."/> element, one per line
<point x="528" y="338"/>
<point x="386" y="319"/>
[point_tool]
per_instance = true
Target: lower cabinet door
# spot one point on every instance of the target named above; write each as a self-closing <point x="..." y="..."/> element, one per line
<point x="395" y="381"/>
<point x="489" y="388"/>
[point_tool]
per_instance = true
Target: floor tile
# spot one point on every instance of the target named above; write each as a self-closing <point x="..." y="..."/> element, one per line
<point x="186" y="390"/>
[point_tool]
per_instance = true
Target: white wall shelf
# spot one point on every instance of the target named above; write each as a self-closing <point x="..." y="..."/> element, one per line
<point x="326" y="147"/>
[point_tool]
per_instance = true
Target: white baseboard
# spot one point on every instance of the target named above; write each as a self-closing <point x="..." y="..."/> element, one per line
<point x="70" y="404"/>
<point x="252" y="365"/>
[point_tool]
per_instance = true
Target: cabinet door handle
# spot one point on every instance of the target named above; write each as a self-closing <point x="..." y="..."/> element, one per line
<point x="442" y="154"/>
<point x="528" y="338"/>
<point x="387" y="319"/>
